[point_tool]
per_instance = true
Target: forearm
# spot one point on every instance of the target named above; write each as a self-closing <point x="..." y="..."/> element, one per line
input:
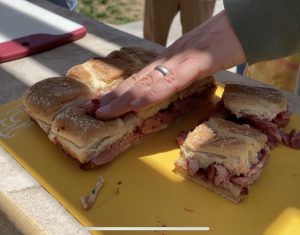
<point x="267" y="29"/>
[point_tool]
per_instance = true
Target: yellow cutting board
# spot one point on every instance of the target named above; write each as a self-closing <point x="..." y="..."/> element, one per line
<point x="141" y="189"/>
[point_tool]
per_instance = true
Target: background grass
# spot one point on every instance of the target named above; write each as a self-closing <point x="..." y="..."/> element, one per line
<point x="112" y="11"/>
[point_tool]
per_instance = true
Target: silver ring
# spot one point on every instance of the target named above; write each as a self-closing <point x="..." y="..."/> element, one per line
<point x="162" y="69"/>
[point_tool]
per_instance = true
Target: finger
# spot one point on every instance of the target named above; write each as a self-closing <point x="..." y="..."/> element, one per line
<point x="121" y="105"/>
<point x="178" y="79"/>
<point x="91" y="106"/>
<point x="119" y="90"/>
<point x="128" y="83"/>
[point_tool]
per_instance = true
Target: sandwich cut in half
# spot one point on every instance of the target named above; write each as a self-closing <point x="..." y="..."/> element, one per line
<point x="224" y="157"/>
<point x="265" y="109"/>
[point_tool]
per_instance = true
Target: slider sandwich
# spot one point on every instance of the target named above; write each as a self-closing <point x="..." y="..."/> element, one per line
<point x="224" y="157"/>
<point x="265" y="109"/>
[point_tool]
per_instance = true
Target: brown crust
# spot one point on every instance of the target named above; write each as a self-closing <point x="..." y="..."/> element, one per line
<point x="100" y="73"/>
<point x="134" y="56"/>
<point x="262" y="102"/>
<point x="45" y="98"/>
<point x="107" y="72"/>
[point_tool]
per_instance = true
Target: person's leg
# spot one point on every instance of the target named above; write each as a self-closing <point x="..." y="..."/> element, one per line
<point x="195" y="12"/>
<point x="158" y="18"/>
<point x="280" y="73"/>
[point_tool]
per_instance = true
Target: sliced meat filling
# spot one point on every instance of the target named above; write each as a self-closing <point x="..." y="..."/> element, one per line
<point x="294" y="139"/>
<point x="181" y="137"/>
<point x="291" y="139"/>
<point x="274" y="134"/>
<point x="218" y="175"/>
<point x="282" y="119"/>
<point x="152" y="124"/>
<point x="115" y="149"/>
<point x="165" y="117"/>
<point x="269" y="128"/>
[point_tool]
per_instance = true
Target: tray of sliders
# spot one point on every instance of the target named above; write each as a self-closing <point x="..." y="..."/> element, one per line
<point x="223" y="157"/>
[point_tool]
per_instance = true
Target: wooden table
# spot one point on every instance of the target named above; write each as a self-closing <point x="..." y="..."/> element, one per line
<point x="22" y="198"/>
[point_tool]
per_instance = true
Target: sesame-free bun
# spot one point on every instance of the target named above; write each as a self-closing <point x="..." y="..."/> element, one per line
<point x="100" y="73"/>
<point x="261" y="102"/>
<point x="105" y="73"/>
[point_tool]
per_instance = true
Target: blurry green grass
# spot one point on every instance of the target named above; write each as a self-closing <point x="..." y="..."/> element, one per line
<point x="112" y="11"/>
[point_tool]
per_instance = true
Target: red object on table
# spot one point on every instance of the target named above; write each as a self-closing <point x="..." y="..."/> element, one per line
<point x="32" y="44"/>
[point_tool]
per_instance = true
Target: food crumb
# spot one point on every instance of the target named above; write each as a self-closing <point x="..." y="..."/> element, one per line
<point x="188" y="210"/>
<point x="88" y="201"/>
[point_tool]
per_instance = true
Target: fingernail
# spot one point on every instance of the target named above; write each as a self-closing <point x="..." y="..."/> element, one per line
<point x="104" y="109"/>
<point x="135" y="103"/>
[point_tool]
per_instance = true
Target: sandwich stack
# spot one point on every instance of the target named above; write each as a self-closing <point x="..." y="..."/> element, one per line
<point x="57" y="105"/>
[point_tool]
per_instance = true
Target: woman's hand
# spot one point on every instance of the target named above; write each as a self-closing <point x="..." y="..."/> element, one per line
<point x="203" y="51"/>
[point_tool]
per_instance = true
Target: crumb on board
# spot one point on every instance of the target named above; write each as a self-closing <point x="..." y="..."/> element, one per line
<point x="88" y="201"/>
<point x="188" y="210"/>
<point x="117" y="192"/>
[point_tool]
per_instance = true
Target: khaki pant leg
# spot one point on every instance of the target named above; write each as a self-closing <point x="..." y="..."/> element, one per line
<point x="280" y="73"/>
<point x="158" y="18"/>
<point x="195" y="12"/>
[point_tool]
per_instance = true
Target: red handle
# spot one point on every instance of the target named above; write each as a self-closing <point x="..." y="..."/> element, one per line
<point x="32" y="44"/>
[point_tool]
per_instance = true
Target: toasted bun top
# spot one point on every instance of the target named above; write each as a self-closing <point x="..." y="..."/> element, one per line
<point x="88" y="132"/>
<point x="264" y="103"/>
<point x="136" y="58"/>
<point x="197" y="87"/>
<point x="100" y="73"/>
<point x="45" y="98"/>
<point x="223" y="142"/>
<point x="104" y="73"/>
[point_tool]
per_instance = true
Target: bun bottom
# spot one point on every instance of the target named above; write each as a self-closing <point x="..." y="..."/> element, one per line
<point x="43" y="125"/>
<point x="114" y="151"/>
<point x="221" y="191"/>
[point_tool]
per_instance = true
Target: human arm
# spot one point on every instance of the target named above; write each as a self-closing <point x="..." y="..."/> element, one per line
<point x="267" y="29"/>
<point x="208" y="48"/>
<point x="256" y="29"/>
